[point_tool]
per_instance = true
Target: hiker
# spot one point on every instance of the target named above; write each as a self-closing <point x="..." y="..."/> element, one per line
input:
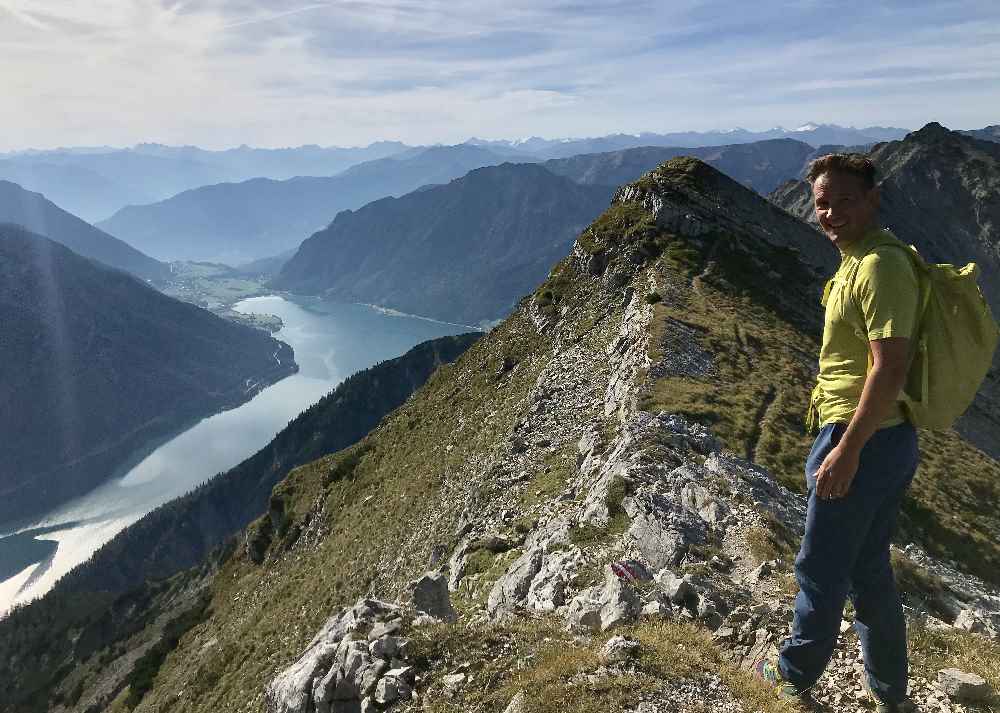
<point x="865" y="454"/>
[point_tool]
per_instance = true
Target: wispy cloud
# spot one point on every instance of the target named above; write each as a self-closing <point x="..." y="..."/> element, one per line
<point x="278" y="72"/>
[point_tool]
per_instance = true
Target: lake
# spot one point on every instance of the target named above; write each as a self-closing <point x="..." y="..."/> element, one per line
<point x="331" y="342"/>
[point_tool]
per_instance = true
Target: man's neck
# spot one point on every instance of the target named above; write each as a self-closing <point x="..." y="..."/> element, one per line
<point x="845" y="247"/>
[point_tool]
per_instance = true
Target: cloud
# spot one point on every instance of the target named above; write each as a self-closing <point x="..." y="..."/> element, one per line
<point x="225" y="72"/>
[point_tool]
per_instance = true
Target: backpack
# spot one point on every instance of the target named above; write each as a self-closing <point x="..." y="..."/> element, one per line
<point x="953" y="344"/>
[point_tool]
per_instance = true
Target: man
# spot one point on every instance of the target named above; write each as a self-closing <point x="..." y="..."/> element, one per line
<point x="866" y="452"/>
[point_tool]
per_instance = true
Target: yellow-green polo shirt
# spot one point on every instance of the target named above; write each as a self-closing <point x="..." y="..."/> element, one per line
<point x="882" y="303"/>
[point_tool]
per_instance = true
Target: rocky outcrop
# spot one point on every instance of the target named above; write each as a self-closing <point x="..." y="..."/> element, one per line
<point x="356" y="662"/>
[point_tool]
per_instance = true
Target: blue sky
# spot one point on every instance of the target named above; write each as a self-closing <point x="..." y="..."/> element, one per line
<point x="224" y="72"/>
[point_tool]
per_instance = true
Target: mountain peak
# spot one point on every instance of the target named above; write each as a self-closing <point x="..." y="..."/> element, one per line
<point x="932" y="131"/>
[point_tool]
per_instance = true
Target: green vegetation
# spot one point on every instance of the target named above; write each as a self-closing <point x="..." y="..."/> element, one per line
<point x="920" y="584"/>
<point x="560" y="673"/>
<point x="934" y="649"/>
<point x="773" y="541"/>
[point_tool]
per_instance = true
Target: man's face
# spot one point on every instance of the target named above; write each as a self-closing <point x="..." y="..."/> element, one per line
<point x="844" y="208"/>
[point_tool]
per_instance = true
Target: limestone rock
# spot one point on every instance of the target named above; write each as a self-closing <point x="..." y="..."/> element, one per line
<point x="517" y="704"/>
<point x="510" y="591"/>
<point x="618" y="649"/>
<point x="430" y="595"/>
<point x="602" y="607"/>
<point x="660" y="529"/>
<point x="292" y="689"/>
<point x="963" y="687"/>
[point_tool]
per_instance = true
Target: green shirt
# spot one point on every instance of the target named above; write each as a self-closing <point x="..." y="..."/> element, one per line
<point x="882" y="303"/>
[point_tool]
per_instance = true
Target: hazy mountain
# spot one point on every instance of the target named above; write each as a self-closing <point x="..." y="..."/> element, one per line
<point x="97" y="365"/>
<point x="646" y="397"/>
<point x="813" y="134"/>
<point x="96" y="182"/>
<point x="34" y="212"/>
<point x="463" y="252"/>
<point x="940" y="192"/>
<point x="760" y="165"/>
<point x="237" y="222"/>
<point x="989" y="133"/>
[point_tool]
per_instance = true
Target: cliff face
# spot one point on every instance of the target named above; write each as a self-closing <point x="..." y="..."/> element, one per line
<point x="97" y="364"/>
<point x="641" y="407"/>
<point x="940" y="192"/>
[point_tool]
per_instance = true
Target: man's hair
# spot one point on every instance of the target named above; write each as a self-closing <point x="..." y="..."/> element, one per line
<point x="855" y="164"/>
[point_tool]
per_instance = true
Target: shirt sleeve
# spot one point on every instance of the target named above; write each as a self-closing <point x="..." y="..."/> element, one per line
<point x="888" y="294"/>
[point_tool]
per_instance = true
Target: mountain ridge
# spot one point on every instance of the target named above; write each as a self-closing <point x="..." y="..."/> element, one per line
<point x="36" y="213"/>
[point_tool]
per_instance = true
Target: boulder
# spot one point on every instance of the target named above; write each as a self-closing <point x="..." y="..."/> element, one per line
<point x="618" y="649"/>
<point x="963" y="687"/>
<point x="510" y="591"/>
<point x="292" y="689"/>
<point x="602" y="607"/>
<point x="660" y="529"/>
<point x="430" y="596"/>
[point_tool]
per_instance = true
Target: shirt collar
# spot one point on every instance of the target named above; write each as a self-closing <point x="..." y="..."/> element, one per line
<point x="861" y="246"/>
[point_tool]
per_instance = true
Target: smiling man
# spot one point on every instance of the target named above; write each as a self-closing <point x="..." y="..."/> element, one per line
<point x="865" y="454"/>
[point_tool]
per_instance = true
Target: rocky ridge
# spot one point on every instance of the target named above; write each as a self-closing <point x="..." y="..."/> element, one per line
<point x="654" y="520"/>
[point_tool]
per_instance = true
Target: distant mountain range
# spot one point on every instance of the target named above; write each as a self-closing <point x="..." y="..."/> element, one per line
<point x="813" y="134"/>
<point x="988" y="133"/>
<point x="34" y="212"/>
<point x="96" y="182"/>
<point x="940" y="192"/>
<point x="464" y="252"/>
<point x="97" y="365"/>
<point x="239" y="222"/>
<point x="468" y="251"/>
<point x="761" y="165"/>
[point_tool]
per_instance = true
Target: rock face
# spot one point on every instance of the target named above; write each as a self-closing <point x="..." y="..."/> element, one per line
<point x="339" y="672"/>
<point x="940" y="191"/>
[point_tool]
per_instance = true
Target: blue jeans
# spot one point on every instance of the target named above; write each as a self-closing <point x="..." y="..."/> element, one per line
<point x="845" y="552"/>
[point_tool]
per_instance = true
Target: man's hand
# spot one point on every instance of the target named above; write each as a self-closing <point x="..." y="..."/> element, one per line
<point x="836" y="472"/>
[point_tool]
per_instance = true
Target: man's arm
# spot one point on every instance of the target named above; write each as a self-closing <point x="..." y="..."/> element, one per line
<point x="882" y="386"/>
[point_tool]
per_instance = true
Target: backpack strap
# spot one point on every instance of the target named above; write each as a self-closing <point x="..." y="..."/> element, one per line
<point x="924" y="295"/>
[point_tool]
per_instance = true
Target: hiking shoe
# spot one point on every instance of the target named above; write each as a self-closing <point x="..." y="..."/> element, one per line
<point x="767" y="671"/>
<point x="904" y="706"/>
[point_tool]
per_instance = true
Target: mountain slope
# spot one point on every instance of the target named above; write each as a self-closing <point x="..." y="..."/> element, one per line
<point x="97" y="365"/>
<point x="571" y="436"/>
<point x="940" y="192"/>
<point x="464" y="252"/>
<point x="760" y="165"/>
<point x="237" y="222"/>
<point x="38" y="215"/>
